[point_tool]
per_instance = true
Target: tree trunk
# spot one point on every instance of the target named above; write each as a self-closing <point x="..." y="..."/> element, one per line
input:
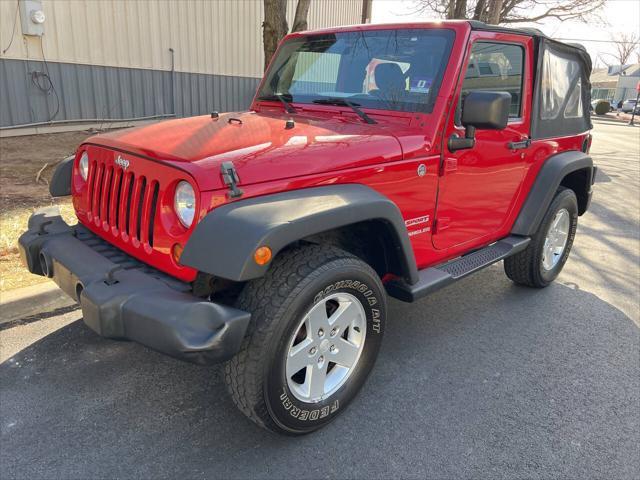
<point x="451" y="8"/>
<point x="460" y="11"/>
<point x="493" y="14"/>
<point x="300" y="19"/>
<point x="274" y="27"/>
<point x="478" y="12"/>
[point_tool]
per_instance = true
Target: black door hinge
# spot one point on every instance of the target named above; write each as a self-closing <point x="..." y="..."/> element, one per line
<point x="230" y="178"/>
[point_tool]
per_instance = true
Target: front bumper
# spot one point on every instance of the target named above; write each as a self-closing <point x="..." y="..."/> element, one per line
<point x="123" y="298"/>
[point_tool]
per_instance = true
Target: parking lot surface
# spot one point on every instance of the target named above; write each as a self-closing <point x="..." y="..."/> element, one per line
<point x="481" y="380"/>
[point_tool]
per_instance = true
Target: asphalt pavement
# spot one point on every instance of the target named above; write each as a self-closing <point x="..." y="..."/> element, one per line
<point x="481" y="380"/>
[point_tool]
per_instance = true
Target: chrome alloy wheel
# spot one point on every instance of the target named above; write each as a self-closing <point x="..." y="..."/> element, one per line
<point x="325" y="347"/>
<point x="556" y="240"/>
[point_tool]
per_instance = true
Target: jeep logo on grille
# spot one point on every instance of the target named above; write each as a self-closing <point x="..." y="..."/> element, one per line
<point x="122" y="162"/>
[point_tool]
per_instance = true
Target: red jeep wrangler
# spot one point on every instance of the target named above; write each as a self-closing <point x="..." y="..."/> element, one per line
<point x="374" y="160"/>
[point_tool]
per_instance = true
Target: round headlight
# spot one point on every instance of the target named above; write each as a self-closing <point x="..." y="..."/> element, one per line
<point x="83" y="165"/>
<point x="185" y="203"/>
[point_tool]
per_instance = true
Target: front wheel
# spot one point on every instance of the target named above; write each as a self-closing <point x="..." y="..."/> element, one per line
<point x="542" y="261"/>
<point x="317" y="320"/>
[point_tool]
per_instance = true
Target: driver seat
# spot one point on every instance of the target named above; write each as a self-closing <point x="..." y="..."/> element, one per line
<point x="391" y="82"/>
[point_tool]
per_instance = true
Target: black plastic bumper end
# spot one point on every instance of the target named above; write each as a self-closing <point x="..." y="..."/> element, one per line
<point x="129" y="303"/>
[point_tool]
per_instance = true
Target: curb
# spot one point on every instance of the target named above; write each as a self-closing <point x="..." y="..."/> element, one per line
<point x="28" y="301"/>
<point x="612" y="119"/>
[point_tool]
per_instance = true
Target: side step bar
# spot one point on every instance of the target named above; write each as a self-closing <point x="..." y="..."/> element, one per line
<point x="434" y="278"/>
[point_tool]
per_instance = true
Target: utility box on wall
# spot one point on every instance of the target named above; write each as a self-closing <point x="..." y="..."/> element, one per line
<point x="32" y="17"/>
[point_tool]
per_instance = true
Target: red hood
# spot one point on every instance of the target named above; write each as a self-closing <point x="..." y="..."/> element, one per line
<point x="261" y="148"/>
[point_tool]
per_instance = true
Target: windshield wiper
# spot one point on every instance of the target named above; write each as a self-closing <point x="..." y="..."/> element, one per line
<point x="281" y="97"/>
<point x="346" y="103"/>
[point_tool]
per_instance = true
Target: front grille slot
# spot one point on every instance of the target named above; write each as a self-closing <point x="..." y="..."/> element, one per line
<point x="143" y="194"/>
<point x="97" y="198"/>
<point x="129" y="190"/>
<point x="116" y="207"/>
<point x="122" y="202"/>
<point x="106" y="194"/>
<point x="154" y="206"/>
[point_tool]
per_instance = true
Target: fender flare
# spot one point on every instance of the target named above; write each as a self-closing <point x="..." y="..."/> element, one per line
<point x="60" y="185"/>
<point x="224" y="241"/>
<point x="546" y="184"/>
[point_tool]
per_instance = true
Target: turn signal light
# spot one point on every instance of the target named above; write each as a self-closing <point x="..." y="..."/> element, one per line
<point x="176" y="252"/>
<point x="262" y="255"/>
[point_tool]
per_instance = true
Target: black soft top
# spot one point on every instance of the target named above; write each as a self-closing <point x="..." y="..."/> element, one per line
<point x="562" y="90"/>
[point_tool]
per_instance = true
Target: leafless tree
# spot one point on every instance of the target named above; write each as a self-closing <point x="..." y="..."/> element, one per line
<point x="275" y="26"/>
<point x="626" y="44"/>
<point x="511" y="11"/>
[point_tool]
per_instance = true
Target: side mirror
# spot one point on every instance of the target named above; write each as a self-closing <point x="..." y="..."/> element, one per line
<point x="483" y="110"/>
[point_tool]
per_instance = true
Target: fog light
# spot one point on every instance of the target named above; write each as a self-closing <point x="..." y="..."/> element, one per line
<point x="176" y="252"/>
<point x="262" y="255"/>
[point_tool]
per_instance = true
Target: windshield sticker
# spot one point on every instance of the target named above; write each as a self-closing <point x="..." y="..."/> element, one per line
<point x="420" y="84"/>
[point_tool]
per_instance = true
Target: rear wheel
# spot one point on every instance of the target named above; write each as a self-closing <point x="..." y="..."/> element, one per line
<point x="317" y="320"/>
<point x="542" y="261"/>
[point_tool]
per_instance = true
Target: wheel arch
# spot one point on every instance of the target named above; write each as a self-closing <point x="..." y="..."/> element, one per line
<point x="223" y="243"/>
<point x="378" y="249"/>
<point x="572" y="169"/>
<point x="580" y="182"/>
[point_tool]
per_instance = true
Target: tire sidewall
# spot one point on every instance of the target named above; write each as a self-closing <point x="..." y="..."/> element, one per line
<point x="289" y="413"/>
<point x="564" y="199"/>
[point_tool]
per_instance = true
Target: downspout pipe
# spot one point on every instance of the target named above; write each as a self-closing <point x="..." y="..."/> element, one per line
<point x="173" y="80"/>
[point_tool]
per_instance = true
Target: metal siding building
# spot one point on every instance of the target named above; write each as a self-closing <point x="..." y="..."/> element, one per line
<point x="112" y="59"/>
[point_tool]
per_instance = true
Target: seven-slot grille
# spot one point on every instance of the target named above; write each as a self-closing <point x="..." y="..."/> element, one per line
<point x="122" y="202"/>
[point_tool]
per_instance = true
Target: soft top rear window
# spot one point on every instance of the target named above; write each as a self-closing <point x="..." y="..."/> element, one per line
<point x="398" y="69"/>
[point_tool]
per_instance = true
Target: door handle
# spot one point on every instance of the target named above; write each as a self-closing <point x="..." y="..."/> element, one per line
<point x="520" y="145"/>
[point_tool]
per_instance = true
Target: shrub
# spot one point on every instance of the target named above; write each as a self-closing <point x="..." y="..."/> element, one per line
<point x="602" y="107"/>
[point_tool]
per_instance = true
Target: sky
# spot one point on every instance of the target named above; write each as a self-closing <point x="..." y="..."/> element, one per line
<point x="619" y="16"/>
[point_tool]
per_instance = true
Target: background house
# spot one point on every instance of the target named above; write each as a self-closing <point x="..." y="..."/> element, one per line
<point x="615" y="84"/>
<point x="113" y="59"/>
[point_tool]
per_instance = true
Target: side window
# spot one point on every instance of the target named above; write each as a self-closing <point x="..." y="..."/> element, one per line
<point x="561" y="86"/>
<point x="496" y="67"/>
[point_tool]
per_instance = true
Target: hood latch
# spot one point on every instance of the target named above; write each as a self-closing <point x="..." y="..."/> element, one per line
<point x="230" y="178"/>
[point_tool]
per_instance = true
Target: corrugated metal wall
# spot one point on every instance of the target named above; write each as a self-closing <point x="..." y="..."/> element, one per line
<point x="94" y="92"/>
<point x="222" y="37"/>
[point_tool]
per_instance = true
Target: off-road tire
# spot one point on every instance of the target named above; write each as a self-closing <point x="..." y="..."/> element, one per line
<point x="525" y="268"/>
<point x="298" y="279"/>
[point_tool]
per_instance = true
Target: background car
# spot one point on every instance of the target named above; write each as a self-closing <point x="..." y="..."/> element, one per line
<point x="628" y="105"/>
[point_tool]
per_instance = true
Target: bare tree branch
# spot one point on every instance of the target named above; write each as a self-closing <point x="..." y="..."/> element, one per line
<point x="511" y="11"/>
<point x="626" y="44"/>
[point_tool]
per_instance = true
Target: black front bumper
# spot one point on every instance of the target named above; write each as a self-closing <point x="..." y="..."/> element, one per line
<point x="123" y="298"/>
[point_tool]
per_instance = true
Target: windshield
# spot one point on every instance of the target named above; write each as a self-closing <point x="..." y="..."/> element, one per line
<point x="398" y="69"/>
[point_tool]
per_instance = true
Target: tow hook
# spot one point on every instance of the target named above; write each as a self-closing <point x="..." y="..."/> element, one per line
<point x="42" y="229"/>
<point x="110" y="278"/>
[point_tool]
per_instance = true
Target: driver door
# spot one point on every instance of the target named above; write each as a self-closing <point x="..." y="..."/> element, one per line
<point x="478" y="186"/>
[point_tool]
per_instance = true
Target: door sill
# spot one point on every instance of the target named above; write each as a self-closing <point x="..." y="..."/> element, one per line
<point x="435" y="278"/>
